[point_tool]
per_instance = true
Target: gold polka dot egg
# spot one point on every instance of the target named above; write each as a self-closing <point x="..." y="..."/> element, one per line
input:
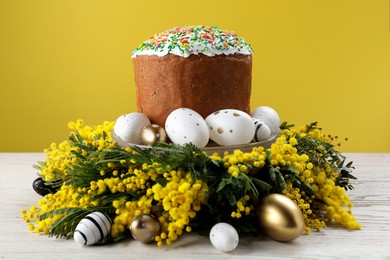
<point x="230" y="127"/>
<point x="185" y="125"/>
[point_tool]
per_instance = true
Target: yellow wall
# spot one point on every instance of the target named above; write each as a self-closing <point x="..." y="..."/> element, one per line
<point x="325" y="61"/>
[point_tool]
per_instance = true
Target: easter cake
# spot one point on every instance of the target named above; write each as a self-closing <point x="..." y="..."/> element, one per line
<point x="198" y="67"/>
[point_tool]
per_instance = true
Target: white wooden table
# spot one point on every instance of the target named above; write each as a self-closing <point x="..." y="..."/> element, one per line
<point x="371" y="198"/>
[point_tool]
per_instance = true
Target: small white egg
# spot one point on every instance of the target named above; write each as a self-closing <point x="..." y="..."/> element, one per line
<point x="269" y="116"/>
<point x="129" y="127"/>
<point x="224" y="237"/>
<point x="230" y="127"/>
<point x="262" y="130"/>
<point x="185" y="125"/>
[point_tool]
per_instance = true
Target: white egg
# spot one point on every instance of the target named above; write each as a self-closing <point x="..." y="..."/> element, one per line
<point x="224" y="237"/>
<point x="129" y="127"/>
<point x="230" y="127"/>
<point x="92" y="229"/>
<point x="185" y="125"/>
<point x="263" y="132"/>
<point x="269" y="116"/>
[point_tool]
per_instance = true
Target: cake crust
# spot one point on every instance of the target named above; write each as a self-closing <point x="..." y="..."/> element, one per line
<point x="199" y="82"/>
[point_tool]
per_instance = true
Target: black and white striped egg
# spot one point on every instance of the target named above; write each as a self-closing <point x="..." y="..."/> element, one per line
<point x="92" y="229"/>
<point x="262" y="132"/>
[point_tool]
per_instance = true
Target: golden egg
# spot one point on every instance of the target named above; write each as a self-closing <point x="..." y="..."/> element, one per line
<point x="279" y="217"/>
<point x="151" y="134"/>
<point x="145" y="228"/>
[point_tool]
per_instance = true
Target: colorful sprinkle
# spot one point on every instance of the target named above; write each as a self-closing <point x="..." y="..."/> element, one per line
<point x="187" y="40"/>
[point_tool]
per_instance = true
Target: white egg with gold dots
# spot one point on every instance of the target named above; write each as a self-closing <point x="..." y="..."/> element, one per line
<point x="230" y="127"/>
<point x="185" y="125"/>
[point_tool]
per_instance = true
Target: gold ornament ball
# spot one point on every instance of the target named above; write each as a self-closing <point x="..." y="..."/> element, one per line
<point x="151" y="134"/>
<point x="279" y="217"/>
<point x="145" y="228"/>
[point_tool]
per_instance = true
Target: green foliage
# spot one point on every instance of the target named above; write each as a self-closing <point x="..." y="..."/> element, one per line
<point x="290" y="173"/>
<point x="345" y="175"/>
<point x="224" y="189"/>
<point x="323" y="154"/>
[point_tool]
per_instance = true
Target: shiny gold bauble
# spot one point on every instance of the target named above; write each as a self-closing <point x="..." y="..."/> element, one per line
<point x="279" y="217"/>
<point x="145" y="228"/>
<point x="151" y="134"/>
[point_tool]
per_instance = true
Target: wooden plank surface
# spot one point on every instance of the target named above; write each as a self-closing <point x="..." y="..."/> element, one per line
<point x="371" y="198"/>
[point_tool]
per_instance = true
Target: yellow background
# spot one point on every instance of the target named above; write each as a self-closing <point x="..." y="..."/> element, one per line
<point x="325" y="61"/>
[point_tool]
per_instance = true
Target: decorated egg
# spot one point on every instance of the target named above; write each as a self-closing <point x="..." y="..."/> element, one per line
<point x="269" y="116"/>
<point x="262" y="131"/>
<point x="230" y="127"/>
<point x="42" y="188"/>
<point x="92" y="229"/>
<point x="185" y="125"/>
<point x="151" y="134"/>
<point x="129" y="127"/>
<point x="145" y="228"/>
<point x="224" y="237"/>
<point x="279" y="217"/>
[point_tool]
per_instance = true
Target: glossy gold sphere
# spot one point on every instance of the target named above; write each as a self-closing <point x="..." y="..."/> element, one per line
<point x="279" y="217"/>
<point x="145" y="228"/>
<point x="151" y="134"/>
